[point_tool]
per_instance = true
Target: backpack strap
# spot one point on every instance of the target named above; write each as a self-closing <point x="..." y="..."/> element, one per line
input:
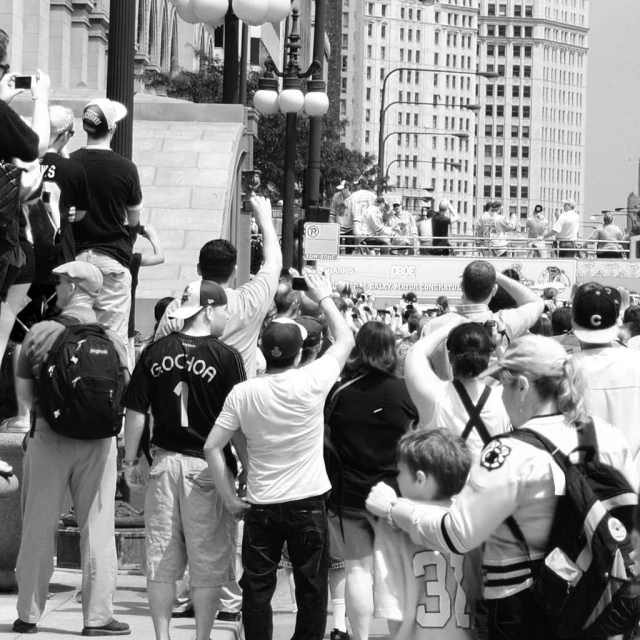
<point x="333" y="400"/>
<point x="474" y="412"/>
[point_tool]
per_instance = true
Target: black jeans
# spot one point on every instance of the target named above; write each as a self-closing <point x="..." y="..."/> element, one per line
<point x="302" y="524"/>
<point x="567" y="249"/>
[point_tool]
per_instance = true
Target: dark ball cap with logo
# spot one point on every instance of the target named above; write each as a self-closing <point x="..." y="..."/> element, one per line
<point x="282" y="339"/>
<point x="594" y="311"/>
<point x="101" y="115"/>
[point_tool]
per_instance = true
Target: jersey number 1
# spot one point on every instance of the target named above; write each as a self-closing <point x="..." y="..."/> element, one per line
<point x="436" y="588"/>
<point x="182" y="391"/>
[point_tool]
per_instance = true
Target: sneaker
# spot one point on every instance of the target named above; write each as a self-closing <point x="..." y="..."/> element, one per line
<point x="114" y="628"/>
<point x="229" y="616"/>
<point x="336" y="634"/>
<point x="24" y="627"/>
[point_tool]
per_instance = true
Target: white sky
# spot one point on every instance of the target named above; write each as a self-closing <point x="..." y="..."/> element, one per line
<point x="613" y="105"/>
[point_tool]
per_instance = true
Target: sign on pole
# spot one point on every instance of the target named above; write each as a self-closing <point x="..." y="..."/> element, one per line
<point x="321" y="241"/>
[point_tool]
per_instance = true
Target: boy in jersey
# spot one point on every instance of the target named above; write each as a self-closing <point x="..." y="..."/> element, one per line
<point x="185" y="378"/>
<point x="425" y="594"/>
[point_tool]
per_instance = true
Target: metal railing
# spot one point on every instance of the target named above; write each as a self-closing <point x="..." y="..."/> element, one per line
<point x="508" y="246"/>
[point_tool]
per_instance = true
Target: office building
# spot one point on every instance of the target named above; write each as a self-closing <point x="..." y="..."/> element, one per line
<point x="532" y="123"/>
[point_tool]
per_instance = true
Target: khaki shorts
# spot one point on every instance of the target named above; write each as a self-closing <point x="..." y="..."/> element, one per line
<point x="359" y="528"/>
<point x="186" y="520"/>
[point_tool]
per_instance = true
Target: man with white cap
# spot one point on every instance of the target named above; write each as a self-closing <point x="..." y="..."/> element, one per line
<point x="185" y="378"/>
<point x="281" y="417"/>
<point x="105" y="237"/>
<point x="612" y="373"/>
<point x="55" y="463"/>
<point x="565" y="230"/>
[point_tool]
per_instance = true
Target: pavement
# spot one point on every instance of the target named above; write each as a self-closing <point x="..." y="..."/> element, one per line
<point x="63" y="615"/>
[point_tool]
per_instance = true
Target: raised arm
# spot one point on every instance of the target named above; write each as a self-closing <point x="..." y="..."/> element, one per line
<point x="158" y="252"/>
<point x="270" y="244"/>
<point x="320" y="292"/>
<point x="423" y="384"/>
<point x="40" y="121"/>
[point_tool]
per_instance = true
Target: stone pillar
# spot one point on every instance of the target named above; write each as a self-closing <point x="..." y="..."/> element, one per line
<point x="98" y="41"/>
<point x="35" y="48"/>
<point x="79" y="48"/>
<point x="12" y="21"/>
<point x="60" y="43"/>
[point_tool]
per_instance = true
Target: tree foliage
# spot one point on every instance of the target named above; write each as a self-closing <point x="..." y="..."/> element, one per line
<point x="337" y="161"/>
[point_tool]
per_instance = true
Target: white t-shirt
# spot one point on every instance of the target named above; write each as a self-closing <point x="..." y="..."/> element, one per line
<point x="613" y="378"/>
<point x="282" y="418"/>
<point x="451" y="414"/>
<point x="432" y="593"/>
<point x="567" y="225"/>
<point x="247" y="308"/>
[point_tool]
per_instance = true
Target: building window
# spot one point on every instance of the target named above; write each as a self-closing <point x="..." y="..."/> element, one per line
<point x="488" y="131"/>
<point x="369" y="51"/>
<point x="488" y="110"/>
<point x="513" y="191"/>
<point x="516" y="50"/>
<point x="502" y="31"/>
<point x="370" y="8"/>
<point x="368" y="73"/>
<point x="367" y="136"/>
<point x="498" y="191"/>
<point x="367" y="115"/>
<point x="487" y="190"/>
<point x="401" y="34"/>
<point x="343" y="107"/>
<point x="345" y="41"/>
<point x="491" y="9"/>
<point x="345" y="20"/>
<point x="384" y="9"/>
<point x="401" y="13"/>
<point x="515" y="71"/>
<point x="410" y="35"/>
<point x="515" y="111"/>
<point x="525" y="152"/>
<point x="528" y="32"/>
<point x="383" y="52"/>
<point x="515" y="131"/>
<point x="499" y="171"/>
<point x="343" y="83"/>
<point x="487" y="170"/>
<point x="383" y="31"/>
<point x="524" y="192"/>
<point x="526" y="112"/>
<point x="528" y="12"/>
<point x="370" y="29"/>
<point x="500" y="91"/>
<point x="527" y="52"/>
<point x="417" y="57"/>
<point x="415" y="119"/>
<point x="491" y="30"/>
<point x="499" y="131"/>
<point x="345" y="63"/>
<point x="517" y="11"/>
<point x="525" y="172"/>
<point x="382" y="73"/>
<point x="514" y="151"/>
<point x="500" y="111"/>
<point x="515" y="91"/>
<point x="502" y="10"/>
<point x="517" y="32"/>
<point x="502" y="50"/>
<point x="491" y="50"/>
<point x="499" y="151"/>
<point x="527" y="71"/>
<point x="489" y="90"/>
<point x="526" y="92"/>
<point x="368" y="93"/>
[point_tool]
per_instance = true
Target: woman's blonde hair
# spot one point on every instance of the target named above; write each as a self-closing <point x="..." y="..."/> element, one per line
<point x="569" y="389"/>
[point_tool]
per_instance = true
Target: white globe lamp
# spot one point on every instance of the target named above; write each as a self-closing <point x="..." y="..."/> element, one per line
<point x="278" y="10"/>
<point x="185" y="12"/>
<point x="210" y="11"/>
<point x="251" y="12"/>
<point x="316" y="102"/>
<point x="291" y="101"/>
<point x="266" y="99"/>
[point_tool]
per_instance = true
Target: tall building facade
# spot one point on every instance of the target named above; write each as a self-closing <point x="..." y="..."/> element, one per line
<point x="532" y="124"/>
<point x="424" y="57"/>
<point x="526" y="129"/>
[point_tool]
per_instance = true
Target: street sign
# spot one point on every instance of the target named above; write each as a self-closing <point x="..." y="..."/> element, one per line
<point x="321" y="241"/>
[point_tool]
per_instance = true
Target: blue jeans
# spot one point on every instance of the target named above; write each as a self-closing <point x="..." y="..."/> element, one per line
<point x="302" y="524"/>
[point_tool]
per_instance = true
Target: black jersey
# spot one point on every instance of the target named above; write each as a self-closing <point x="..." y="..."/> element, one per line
<point x="185" y="380"/>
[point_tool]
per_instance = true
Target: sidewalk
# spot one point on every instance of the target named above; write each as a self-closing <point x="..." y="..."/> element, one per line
<point x="63" y="615"/>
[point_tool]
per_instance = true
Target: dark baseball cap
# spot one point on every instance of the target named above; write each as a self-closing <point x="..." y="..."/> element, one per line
<point x="101" y="115"/>
<point x="282" y="339"/>
<point x="594" y="313"/>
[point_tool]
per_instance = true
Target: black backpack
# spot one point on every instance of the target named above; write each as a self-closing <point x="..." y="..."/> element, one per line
<point x="82" y="382"/>
<point x="596" y="595"/>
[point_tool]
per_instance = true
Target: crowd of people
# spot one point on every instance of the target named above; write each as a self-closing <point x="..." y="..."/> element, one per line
<point x="371" y="223"/>
<point x="410" y="464"/>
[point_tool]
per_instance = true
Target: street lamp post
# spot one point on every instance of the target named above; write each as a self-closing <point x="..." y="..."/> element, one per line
<point x="383" y="109"/>
<point x="453" y="165"/>
<point x="291" y="101"/>
<point x="120" y="68"/>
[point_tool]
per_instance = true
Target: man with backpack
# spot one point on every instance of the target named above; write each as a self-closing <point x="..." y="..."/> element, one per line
<point x="72" y="373"/>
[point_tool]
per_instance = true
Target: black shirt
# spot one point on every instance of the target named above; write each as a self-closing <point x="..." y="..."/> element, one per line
<point x="114" y="185"/>
<point x="368" y="419"/>
<point x="17" y="139"/>
<point x="185" y="380"/>
<point x="68" y="178"/>
<point x="440" y="224"/>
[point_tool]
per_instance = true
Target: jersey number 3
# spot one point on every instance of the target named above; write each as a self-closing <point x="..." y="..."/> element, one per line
<point x="438" y="610"/>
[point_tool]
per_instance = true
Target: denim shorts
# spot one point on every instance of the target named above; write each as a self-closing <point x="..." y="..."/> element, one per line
<point x="185" y="519"/>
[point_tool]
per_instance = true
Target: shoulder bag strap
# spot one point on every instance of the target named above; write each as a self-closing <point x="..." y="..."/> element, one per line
<point x="331" y="405"/>
<point x="474" y="412"/>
